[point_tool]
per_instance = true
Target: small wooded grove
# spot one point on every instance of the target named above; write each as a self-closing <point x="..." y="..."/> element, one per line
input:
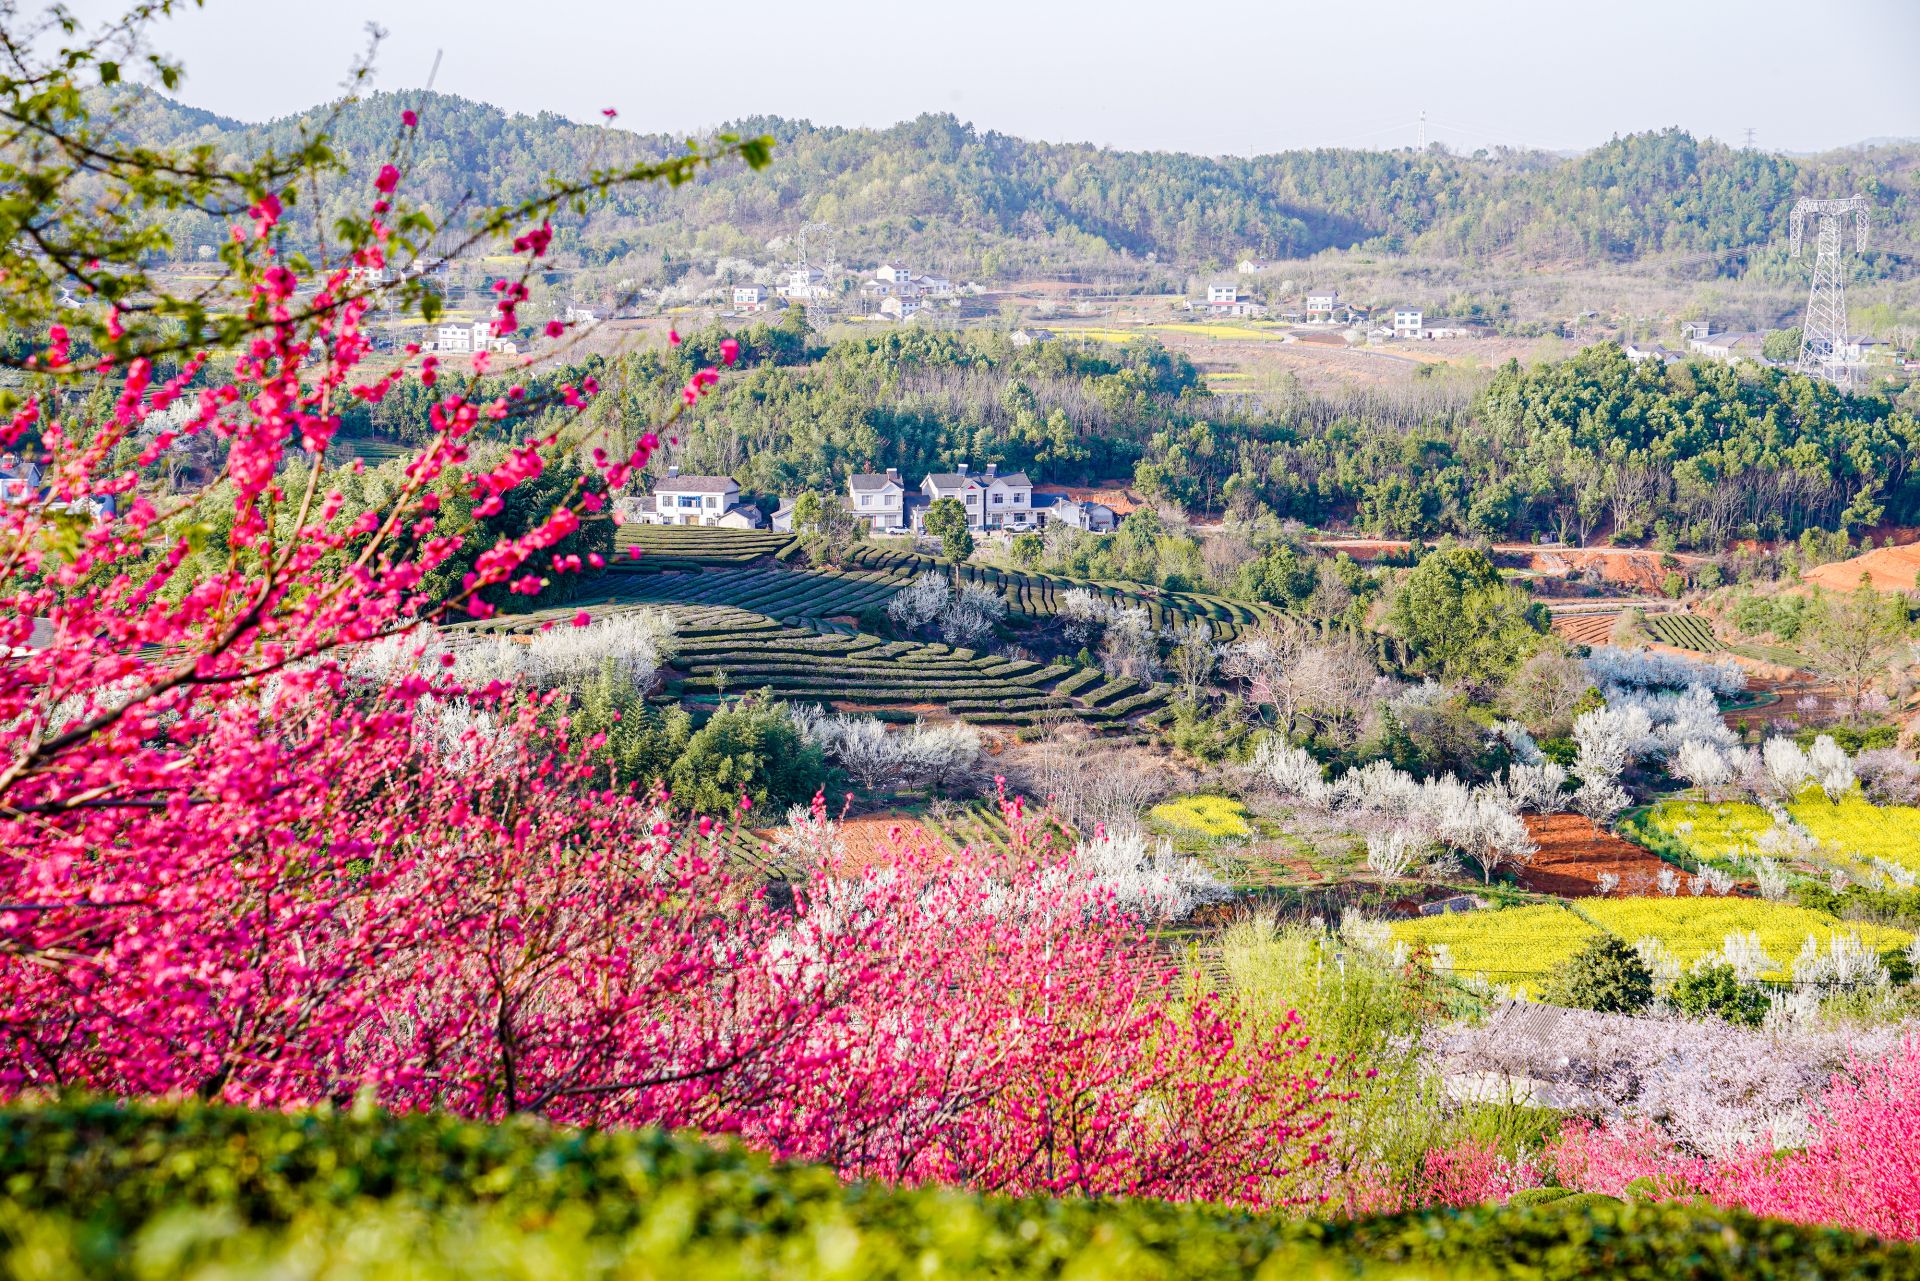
<point x="1593" y="446"/>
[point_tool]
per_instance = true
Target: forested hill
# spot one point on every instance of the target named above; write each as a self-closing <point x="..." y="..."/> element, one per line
<point x="989" y="204"/>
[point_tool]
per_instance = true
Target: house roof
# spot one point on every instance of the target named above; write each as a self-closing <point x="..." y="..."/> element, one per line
<point x="872" y="480"/>
<point x="1013" y="478"/>
<point x="951" y="480"/>
<point x="695" y="485"/>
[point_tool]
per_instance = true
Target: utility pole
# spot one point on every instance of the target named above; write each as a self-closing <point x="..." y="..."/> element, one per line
<point x="1823" y="334"/>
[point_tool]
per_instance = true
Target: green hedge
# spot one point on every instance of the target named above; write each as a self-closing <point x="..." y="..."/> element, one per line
<point x="190" y="1191"/>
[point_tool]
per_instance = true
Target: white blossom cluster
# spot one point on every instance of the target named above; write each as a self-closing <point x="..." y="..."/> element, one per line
<point x="1145" y="878"/>
<point x="945" y="755"/>
<point x="1483" y="823"/>
<point x="1615" y="669"/>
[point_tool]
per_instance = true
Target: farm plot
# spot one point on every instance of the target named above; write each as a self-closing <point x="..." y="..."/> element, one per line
<point x="722" y="648"/>
<point x="697" y="544"/>
<point x="1574" y="853"/>
<point x="1852" y="828"/>
<point x="1589" y="629"/>
<point x="788" y="595"/>
<point x="1518" y="947"/>
<point x="1692" y="927"/>
<point x="1683" y="631"/>
<point x="1037" y="596"/>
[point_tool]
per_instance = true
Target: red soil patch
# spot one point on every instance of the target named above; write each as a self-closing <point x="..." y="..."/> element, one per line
<point x="1119" y="497"/>
<point x="1586" y="629"/>
<point x="1573" y="853"/>
<point x="1888" y="569"/>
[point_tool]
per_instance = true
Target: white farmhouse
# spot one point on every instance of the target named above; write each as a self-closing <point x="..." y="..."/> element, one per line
<point x="878" y="499"/>
<point x="698" y="500"/>
<point x="1407" y="322"/>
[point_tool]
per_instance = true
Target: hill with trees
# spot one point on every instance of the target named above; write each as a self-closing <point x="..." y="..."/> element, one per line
<point x="985" y="203"/>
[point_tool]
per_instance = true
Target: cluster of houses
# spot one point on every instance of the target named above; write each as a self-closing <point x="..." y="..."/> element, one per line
<point x="1704" y="339"/>
<point x="1327" y="307"/>
<point x="895" y="290"/>
<point x="993" y="500"/>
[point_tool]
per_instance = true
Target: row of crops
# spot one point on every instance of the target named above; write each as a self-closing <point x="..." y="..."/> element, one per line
<point x="1520" y="947"/>
<point x="697" y="545"/>
<point x="674" y="553"/>
<point x="1034" y="595"/>
<point x="803" y="597"/>
<point x="1683" y="631"/>
<point x="721" y="649"/>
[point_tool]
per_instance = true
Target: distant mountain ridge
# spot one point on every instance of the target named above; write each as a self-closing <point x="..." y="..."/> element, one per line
<point x="987" y="203"/>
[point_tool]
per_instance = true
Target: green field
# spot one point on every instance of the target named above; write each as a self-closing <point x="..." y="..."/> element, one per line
<point x="721" y="649"/>
<point x="1683" y="631"/>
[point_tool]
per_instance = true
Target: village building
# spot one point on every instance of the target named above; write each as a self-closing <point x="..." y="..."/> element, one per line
<point x="1322" y="306"/>
<point x="692" y="500"/>
<point x="992" y="500"/>
<point x="752" y="298"/>
<point x="1075" y="513"/>
<point x="1407" y="322"/>
<point x="878" y="500"/>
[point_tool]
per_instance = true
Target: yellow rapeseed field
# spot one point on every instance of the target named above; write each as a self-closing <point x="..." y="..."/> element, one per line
<point x="1517" y="947"/>
<point x="1213" y="816"/>
<point x="1852" y="827"/>
<point x="1692" y="927"/>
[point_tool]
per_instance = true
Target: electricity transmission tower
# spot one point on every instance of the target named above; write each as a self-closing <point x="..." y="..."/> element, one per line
<point x="1823" y="336"/>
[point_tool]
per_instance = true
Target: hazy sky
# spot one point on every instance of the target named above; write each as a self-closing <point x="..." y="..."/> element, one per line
<point x="1172" y="74"/>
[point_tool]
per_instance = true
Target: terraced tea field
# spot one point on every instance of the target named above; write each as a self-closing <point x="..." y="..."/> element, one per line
<point x="719" y="648"/>
<point x="1683" y="631"/>
<point x="801" y="597"/>
<point x="1037" y="596"/>
<point x="697" y="545"/>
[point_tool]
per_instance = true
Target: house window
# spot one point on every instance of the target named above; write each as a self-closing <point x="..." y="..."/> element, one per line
<point x="866" y="500"/>
<point x="998" y="499"/>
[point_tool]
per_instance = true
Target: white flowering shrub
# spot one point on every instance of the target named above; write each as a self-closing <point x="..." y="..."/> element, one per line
<point x="919" y="602"/>
<point x="1659" y="959"/>
<point x="634" y="642"/>
<point x="1519" y="742"/>
<point x="1295" y="775"/>
<point x="1150" y="881"/>
<point x="1395" y="855"/>
<point x="946" y="754"/>
<point x="1539" y="787"/>
<point x="971" y="614"/>
<point x="1613" y="667"/>
<point x="1702" y="764"/>
<point x="1745" y="954"/>
<point x="1668" y="881"/>
<point x="1832" y="768"/>
<point x="1845" y="962"/>
<point x="1606" y="883"/>
<point x="1365" y="932"/>
<point x="1773" y="880"/>
<point x="1786" y="767"/>
<point x="1082" y="614"/>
